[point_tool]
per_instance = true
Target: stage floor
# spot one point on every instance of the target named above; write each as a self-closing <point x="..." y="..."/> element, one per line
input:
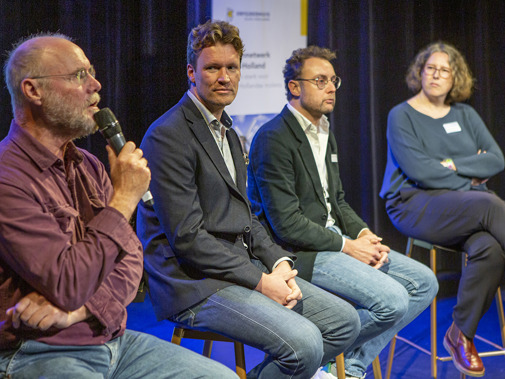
<point x="409" y="363"/>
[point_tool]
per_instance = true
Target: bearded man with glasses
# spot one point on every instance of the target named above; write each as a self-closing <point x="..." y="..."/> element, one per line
<point x="295" y="190"/>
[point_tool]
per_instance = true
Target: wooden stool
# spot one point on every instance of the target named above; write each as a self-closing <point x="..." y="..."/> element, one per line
<point x="500" y="350"/>
<point x="181" y="332"/>
<point x="339" y="362"/>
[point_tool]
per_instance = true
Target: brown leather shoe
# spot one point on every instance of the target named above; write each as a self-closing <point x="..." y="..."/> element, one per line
<point x="463" y="352"/>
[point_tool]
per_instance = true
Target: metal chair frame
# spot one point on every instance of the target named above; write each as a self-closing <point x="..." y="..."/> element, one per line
<point x="209" y="337"/>
<point x="499" y="350"/>
<point x="339" y="361"/>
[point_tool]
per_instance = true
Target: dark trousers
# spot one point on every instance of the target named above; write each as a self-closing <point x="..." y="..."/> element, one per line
<point x="473" y="221"/>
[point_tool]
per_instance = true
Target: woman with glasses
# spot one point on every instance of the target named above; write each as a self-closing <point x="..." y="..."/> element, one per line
<point x="440" y="156"/>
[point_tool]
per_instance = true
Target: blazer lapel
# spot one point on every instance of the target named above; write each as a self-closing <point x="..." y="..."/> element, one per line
<point x="238" y="159"/>
<point x="306" y="154"/>
<point x="331" y="167"/>
<point x="204" y="136"/>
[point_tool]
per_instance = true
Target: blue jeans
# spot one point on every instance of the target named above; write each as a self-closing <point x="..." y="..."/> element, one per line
<point x="133" y="355"/>
<point x="386" y="299"/>
<point x="297" y="341"/>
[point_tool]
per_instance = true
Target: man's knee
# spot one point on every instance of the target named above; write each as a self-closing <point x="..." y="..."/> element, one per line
<point x="303" y="351"/>
<point x="350" y="324"/>
<point x="427" y="282"/>
<point x="392" y="304"/>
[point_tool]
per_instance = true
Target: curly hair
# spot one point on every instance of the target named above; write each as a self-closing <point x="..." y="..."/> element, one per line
<point x="210" y="34"/>
<point x="463" y="80"/>
<point x="294" y="64"/>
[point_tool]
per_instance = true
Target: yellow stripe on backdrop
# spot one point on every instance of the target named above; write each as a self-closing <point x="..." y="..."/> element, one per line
<point x="304" y="15"/>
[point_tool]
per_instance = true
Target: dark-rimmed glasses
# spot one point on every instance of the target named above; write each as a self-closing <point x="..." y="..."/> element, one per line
<point x="322" y="82"/>
<point x="444" y="72"/>
<point x="80" y="75"/>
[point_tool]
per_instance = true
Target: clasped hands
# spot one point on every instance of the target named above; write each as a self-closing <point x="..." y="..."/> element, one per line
<point x="280" y="285"/>
<point x="367" y="248"/>
<point x="36" y="312"/>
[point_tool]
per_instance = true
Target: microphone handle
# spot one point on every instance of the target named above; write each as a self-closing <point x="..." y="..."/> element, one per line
<point x="117" y="141"/>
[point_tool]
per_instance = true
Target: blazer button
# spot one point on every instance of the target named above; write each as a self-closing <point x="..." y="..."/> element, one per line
<point x="324" y="217"/>
<point x="247" y="229"/>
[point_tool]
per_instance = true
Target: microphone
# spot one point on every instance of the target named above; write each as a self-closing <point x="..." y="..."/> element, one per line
<point x="111" y="130"/>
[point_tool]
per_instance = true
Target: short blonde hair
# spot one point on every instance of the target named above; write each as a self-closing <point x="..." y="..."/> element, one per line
<point x="462" y="87"/>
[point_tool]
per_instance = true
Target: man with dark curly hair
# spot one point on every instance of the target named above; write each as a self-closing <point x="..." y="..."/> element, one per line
<point x="295" y="190"/>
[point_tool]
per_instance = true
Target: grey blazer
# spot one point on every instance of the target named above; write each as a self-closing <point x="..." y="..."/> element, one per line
<point x="200" y="235"/>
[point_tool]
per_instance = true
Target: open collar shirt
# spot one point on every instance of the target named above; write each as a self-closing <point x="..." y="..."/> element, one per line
<point x="218" y="129"/>
<point x="318" y="140"/>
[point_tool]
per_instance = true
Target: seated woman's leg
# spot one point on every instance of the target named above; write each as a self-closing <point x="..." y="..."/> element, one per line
<point x="473" y="221"/>
<point x="478" y="284"/>
<point x="479" y="281"/>
<point x="447" y="217"/>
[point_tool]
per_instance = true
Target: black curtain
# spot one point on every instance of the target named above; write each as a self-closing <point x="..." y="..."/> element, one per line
<point x="375" y="42"/>
<point x="137" y="47"/>
<point x="139" y="51"/>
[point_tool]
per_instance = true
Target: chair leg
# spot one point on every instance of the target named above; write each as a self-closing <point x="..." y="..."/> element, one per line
<point x="177" y="336"/>
<point x="207" y="348"/>
<point x="391" y="355"/>
<point x="433" y="318"/>
<point x="240" y="360"/>
<point x="410" y="246"/>
<point x="392" y="344"/>
<point x="376" y="364"/>
<point x="339" y="361"/>
<point x="501" y="316"/>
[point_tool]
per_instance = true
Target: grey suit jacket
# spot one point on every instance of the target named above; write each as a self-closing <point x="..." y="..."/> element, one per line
<point x="194" y="235"/>
<point x="286" y="193"/>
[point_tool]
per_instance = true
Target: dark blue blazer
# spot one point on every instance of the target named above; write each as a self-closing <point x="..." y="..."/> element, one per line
<point x="194" y="235"/>
<point x="286" y="192"/>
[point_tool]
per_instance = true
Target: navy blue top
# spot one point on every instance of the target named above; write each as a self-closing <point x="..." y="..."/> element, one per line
<point x="417" y="143"/>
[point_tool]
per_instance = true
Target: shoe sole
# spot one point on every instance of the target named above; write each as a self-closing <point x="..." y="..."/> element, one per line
<point x="460" y="368"/>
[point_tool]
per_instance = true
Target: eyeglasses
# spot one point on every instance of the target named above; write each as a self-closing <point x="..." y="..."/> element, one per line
<point x="444" y="72"/>
<point x="322" y="82"/>
<point x="80" y="75"/>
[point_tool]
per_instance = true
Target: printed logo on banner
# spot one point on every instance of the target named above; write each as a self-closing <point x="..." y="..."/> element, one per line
<point x="262" y="24"/>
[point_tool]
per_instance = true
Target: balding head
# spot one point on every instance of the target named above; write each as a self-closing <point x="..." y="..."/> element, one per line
<point x="29" y="58"/>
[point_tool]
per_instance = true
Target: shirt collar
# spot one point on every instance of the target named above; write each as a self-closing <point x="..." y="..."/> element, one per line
<point x="209" y="118"/>
<point x="306" y="125"/>
<point x="40" y="155"/>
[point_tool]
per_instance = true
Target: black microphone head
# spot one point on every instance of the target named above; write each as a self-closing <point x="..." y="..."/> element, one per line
<point x="104" y="118"/>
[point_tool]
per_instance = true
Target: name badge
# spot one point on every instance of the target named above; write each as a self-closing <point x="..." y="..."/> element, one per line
<point x="334" y="158"/>
<point x="452" y="127"/>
